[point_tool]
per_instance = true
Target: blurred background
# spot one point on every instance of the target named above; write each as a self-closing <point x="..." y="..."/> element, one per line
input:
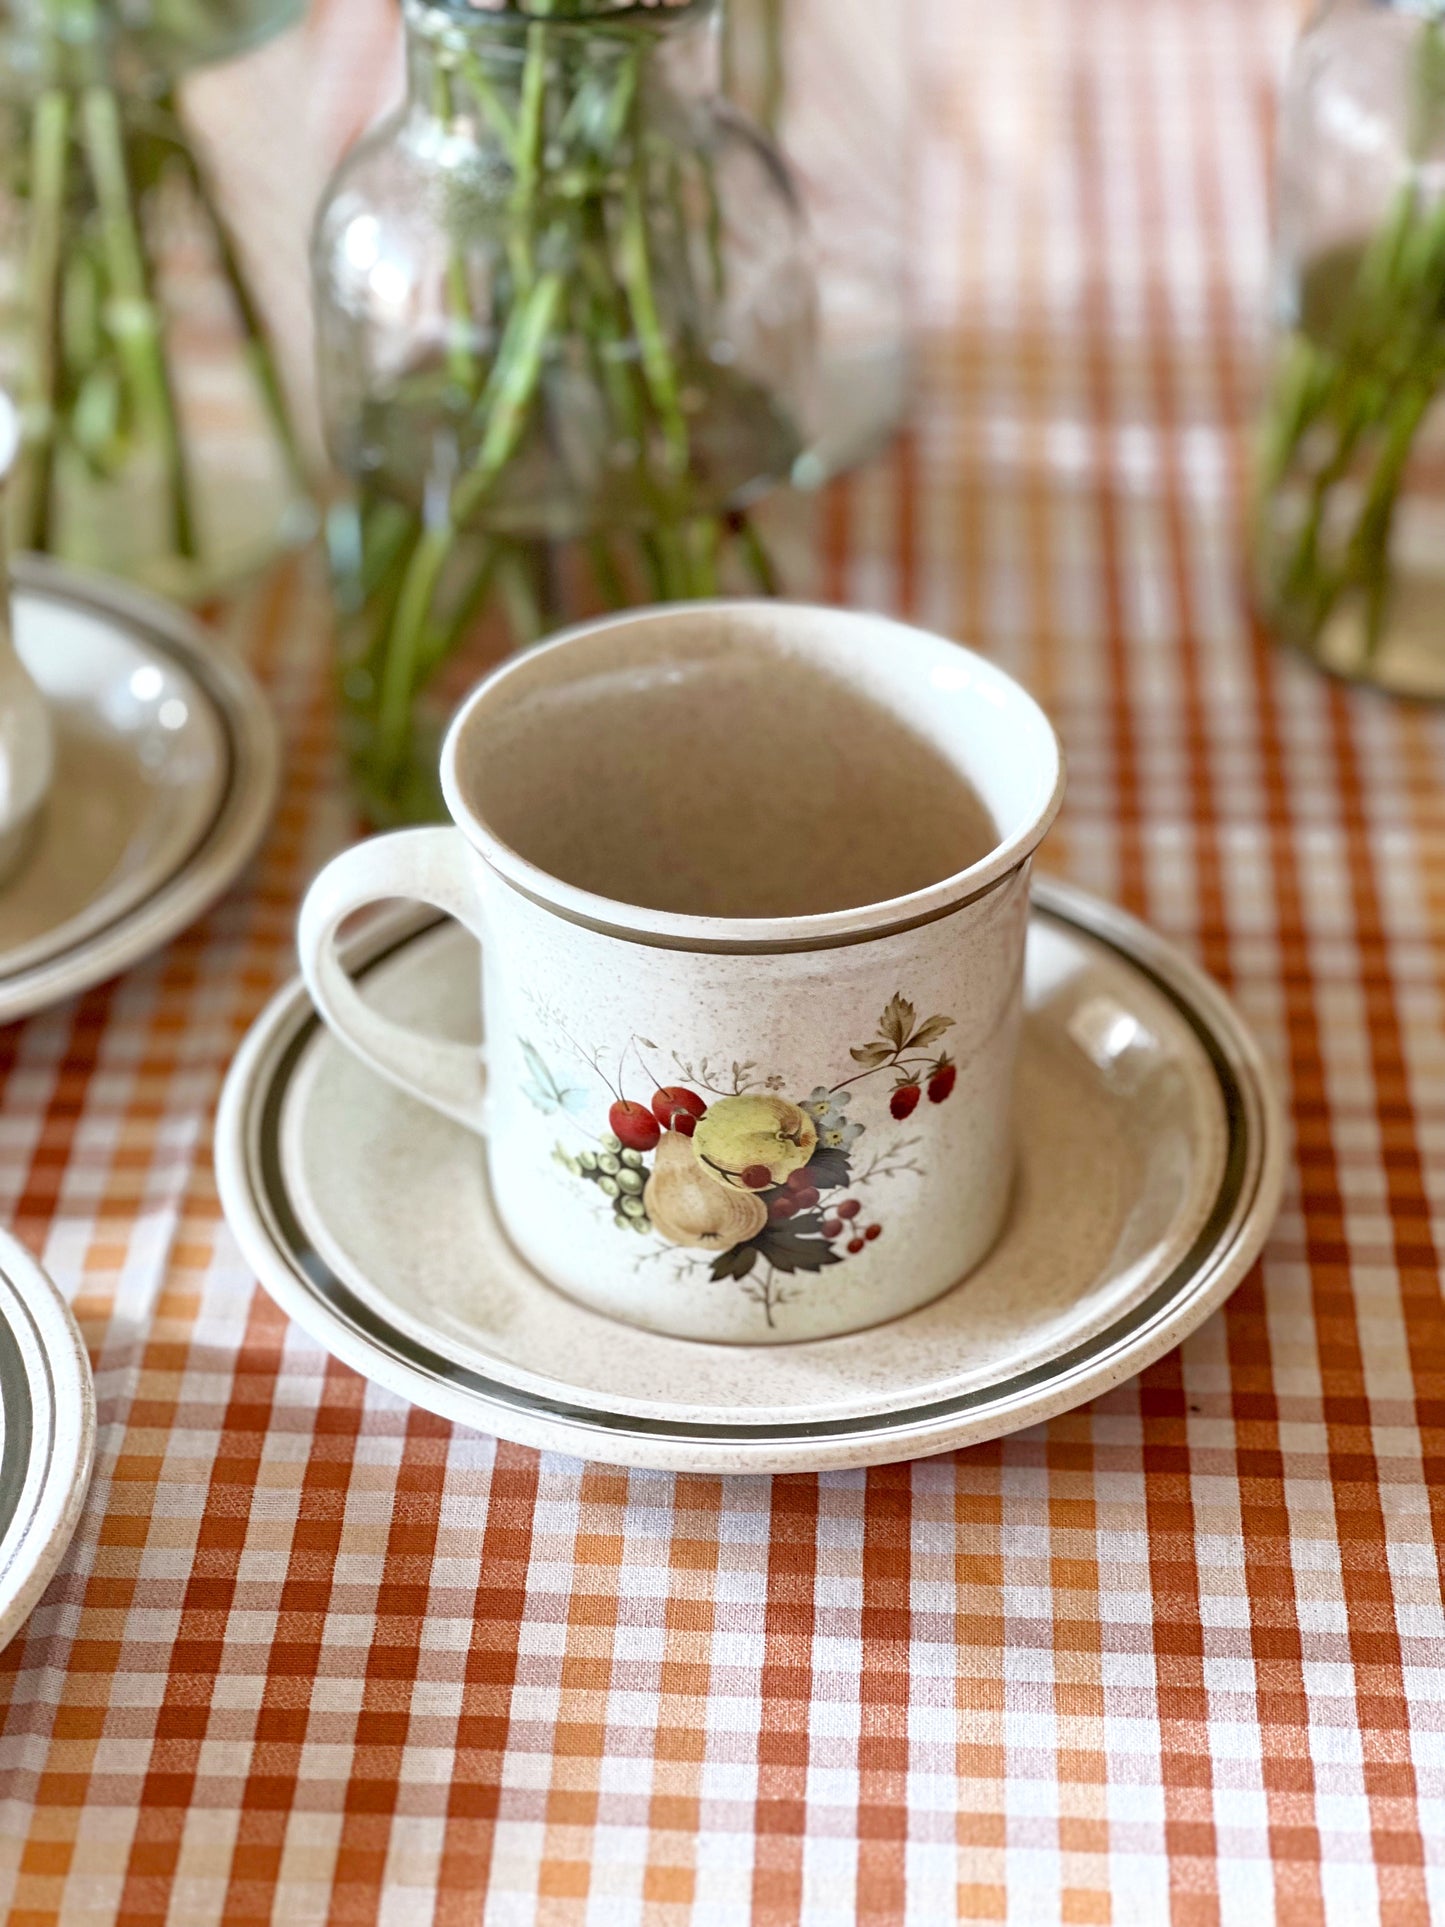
<point x="1067" y="205"/>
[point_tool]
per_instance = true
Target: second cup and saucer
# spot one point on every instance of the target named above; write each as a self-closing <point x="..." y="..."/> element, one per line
<point x="166" y="764"/>
<point x="648" y="1151"/>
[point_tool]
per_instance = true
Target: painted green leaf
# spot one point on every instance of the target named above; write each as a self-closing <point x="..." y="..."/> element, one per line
<point x="897" y="1021"/>
<point x="736" y="1263"/>
<point x="930" y="1032"/>
<point x="830" y="1170"/>
<point x="871" y="1055"/>
<point x="797" y="1244"/>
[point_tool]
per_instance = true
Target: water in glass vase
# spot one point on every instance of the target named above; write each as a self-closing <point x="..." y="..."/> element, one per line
<point x="564" y="315"/>
<point x="535" y="554"/>
<point x="157" y="438"/>
<point x="1351" y="520"/>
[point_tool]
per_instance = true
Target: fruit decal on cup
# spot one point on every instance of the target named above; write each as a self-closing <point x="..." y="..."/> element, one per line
<point x="765" y="1186"/>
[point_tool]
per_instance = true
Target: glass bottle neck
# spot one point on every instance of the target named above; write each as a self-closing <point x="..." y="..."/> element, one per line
<point x="502" y="51"/>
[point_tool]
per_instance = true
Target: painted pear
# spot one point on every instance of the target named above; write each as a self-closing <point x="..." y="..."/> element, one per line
<point x="691" y="1209"/>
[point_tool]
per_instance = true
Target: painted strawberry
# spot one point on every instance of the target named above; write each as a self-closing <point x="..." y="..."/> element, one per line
<point x="942" y="1079"/>
<point x="678" y="1109"/>
<point x="634" y="1126"/>
<point x="904" y="1101"/>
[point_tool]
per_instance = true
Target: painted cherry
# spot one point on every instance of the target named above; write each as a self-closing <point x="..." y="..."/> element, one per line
<point x="805" y="1200"/>
<point x="757" y="1177"/>
<point x="904" y="1101"/>
<point x="784" y="1205"/>
<point x="849" y="1208"/>
<point x="873" y="1231"/>
<point x="855" y="1245"/>
<point x="634" y="1126"/>
<point x="942" y="1080"/>
<point x="833" y="1228"/>
<point x="800" y="1180"/>
<point x="678" y="1109"/>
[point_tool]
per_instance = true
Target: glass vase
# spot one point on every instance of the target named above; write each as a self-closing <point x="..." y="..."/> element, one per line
<point x="156" y="438"/>
<point x="1349" y="532"/>
<point x="833" y="82"/>
<point x="565" y="326"/>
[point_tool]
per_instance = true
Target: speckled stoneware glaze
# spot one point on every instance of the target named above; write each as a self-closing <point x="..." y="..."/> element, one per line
<point x="751" y="883"/>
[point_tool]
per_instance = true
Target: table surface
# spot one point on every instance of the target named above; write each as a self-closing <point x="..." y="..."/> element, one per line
<point x="1176" y="1657"/>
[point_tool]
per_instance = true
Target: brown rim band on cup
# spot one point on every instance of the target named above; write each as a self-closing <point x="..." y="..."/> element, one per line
<point x="779" y="947"/>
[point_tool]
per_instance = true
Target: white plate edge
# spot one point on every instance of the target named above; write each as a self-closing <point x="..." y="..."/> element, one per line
<point x="56" y="1512"/>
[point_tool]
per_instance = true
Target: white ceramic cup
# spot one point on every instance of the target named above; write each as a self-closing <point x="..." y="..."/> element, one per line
<point x="743" y="1129"/>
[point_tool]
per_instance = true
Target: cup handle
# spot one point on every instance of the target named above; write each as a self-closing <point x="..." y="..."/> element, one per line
<point x="432" y="866"/>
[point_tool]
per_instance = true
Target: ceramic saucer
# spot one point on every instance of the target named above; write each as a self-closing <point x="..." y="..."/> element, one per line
<point x="1150" y="1169"/>
<point x="166" y="769"/>
<point x="47" y="1432"/>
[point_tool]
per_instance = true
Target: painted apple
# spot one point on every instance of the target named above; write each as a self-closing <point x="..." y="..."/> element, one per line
<point x="753" y="1143"/>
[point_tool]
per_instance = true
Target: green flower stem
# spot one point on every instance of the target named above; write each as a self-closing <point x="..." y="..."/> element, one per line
<point x="775" y="84"/>
<point x="523" y="596"/>
<point x="1370" y="549"/>
<point x="131" y="311"/>
<point x="506" y="403"/>
<point x="403" y="652"/>
<point x="97" y="371"/>
<point x="511" y="392"/>
<point x="1355" y="393"/>
<point x="759" y="563"/>
<point x="527" y="156"/>
<point x="764" y="20"/>
<point x="49" y="156"/>
<point x="580" y="281"/>
<point x="461" y="363"/>
<point x="442" y="639"/>
<point x="260" y="352"/>
<point x="494" y="108"/>
<point x="657" y="362"/>
<point x="705" y="546"/>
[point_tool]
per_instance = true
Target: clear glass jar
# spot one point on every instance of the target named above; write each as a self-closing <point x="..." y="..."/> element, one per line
<point x="157" y="441"/>
<point x="565" y="325"/>
<point x="833" y="82"/>
<point x="1349" y="533"/>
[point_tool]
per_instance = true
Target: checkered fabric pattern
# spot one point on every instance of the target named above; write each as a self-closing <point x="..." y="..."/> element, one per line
<point x="1178" y="1657"/>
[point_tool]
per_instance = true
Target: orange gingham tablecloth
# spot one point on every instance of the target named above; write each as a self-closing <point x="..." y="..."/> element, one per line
<point x="1177" y="1657"/>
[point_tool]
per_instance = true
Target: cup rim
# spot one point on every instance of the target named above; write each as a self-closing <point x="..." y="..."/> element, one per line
<point x="865" y="923"/>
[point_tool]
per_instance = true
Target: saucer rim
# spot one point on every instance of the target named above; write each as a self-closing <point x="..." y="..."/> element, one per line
<point x="35" y="1537"/>
<point x="1251" y="1188"/>
<point x="244" y="803"/>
